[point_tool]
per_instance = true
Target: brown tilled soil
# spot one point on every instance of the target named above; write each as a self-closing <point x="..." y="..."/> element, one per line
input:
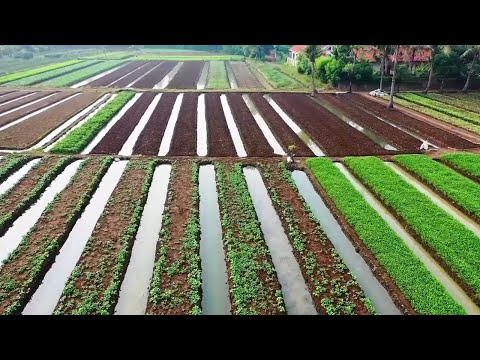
<point x="98" y="260"/>
<point x="243" y="75"/>
<point x="31" y="108"/>
<point x="28" y="99"/>
<point x="124" y="70"/>
<point x="252" y="137"/>
<point x="113" y="141"/>
<point x="335" y="137"/>
<point x="188" y="75"/>
<point x="11" y="201"/>
<point x="427" y="131"/>
<point x="152" y="79"/>
<point x="318" y="244"/>
<point x="53" y="226"/>
<point x="184" y="140"/>
<point x="148" y="142"/>
<point x="11" y="95"/>
<point x="180" y="210"/>
<point x="393" y="135"/>
<point x="135" y="75"/>
<point x="28" y="132"/>
<point x="220" y="141"/>
<point x="281" y="130"/>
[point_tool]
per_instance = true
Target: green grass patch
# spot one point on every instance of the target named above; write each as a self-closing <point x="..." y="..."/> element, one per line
<point x="80" y="137"/>
<point x="452" y="241"/>
<point x="461" y="102"/>
<point x="217" y="76"/>
<point x="275" y="77"/>
<point x="18" y="75"/>
<point x="467" y="162"/>
<point x="462" y="191"/>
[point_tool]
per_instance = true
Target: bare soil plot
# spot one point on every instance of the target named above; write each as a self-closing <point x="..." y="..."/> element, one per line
<point x="427" y="131"/>
<point x="282" y="131"/>
<point x="243" y="75"/>
<point x="252" y="137"/>
<point x="11" y="95"/>
<point x="28" y="99"/>
<point x="119" y="133"/>
<point x="152" y="79"/>
<point x="188" y="75"/>
<point x="395" y="136"/>
<point x="150" y="138"/>
<point x="135" y="75"/>
<point x="34" y="107"/>
<point x="220" y="141"/>
<point x="124" y="70"/>
<point x="184" y="140"/>
<point x="336" y="137"/>
<point x="28" y="132"/>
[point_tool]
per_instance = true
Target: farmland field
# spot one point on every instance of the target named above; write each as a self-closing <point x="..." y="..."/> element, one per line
<point x="171" y="187"/>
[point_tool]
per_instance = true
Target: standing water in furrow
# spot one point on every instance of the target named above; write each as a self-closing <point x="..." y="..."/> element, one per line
<point x="216" y="298"/>
<point x="372" y="288"/>
<point x="166" y="80"/>
<point x="202" y="81"/>
<point x="202" y="141"/>
<point x="231" y="77"/>
<point x="135" y="286"/>
<point x="232" y="127"/>
<point x="22" y="225"/>
<point x="298" y="300"/>
<point x="172" y="121"/>
<point x="17" y="176"/>
<point x="46" y="297"/>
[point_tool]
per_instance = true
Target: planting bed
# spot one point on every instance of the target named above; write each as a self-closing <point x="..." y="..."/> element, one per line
<point x="220" y="141"/>
<point x="19" y="102"/>
<point x="427" y="131"/>
<point x="188" y="75"/>
<point x="11" y="95"/>
<point x="153" y="78"/>
<point x="466" y="163"/>
<point x="28" y="132"/>
<point x="117" y="74"/>
<point x="184" y="140"/>
<point x="127" y="80"/>
<point x="244" y="77"/>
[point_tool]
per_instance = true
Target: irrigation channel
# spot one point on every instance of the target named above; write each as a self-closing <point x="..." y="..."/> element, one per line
<point x="12" y="238"/>
<point x="89" y="80"/>
<point x="231" y="78"/>
<point x="372" y="288"/>
<point x="24" y="105"/>
<point x="15" y="99"/>
<point x="166" y="80"/>
<point x="172" y="121"/>
<point x="298" y="300"/>
<point x="46" y="297"/>
<point x="436" y="199"/>
<point x="368" y="133"/>
<point x="135" y="286"/>
<point x="232" y="127"/>
<point x="17" y="176"/>
<point x="110" y="124"/>
<point x="272" y="141"/>
<point x="435" y="269"/>
<point x="202" y="140"/>
<point x="127" y="74"/>
<point x="202" y="81"/>
<point x="288" y="120"/>
<point x="142" y="76"/>
<point x="215" y="291"/>
<point x="127" y="148"/>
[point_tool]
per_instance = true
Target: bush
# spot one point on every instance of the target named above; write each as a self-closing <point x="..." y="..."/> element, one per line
<point x="361" y="72"/>
<point x="303" y="65"/>
<point x="320" y="68"/>
<point x="334" y="71"/>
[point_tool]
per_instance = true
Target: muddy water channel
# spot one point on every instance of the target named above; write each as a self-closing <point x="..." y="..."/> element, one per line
<point x="435" y="269"/>
<point x="301" y="134"/>
<point x="436" y="199"/>
<point x="202" y="140"/>
<point x="172" y="121"/>
<point x="372" y="288"/>
<point x="231" y="77"/>
<point x="232" y="127"/>
<point x="298" y="300"/>
<point x="22" y="225"/>
<point x="166" y="80"/>
<point x="202" y="81"/>
<point x="46" y="297"/>
<point x="215" y="292"/>
<point x="17" y="176"/>
<point x="371" y="135"/>
<point x="135" y="286"/>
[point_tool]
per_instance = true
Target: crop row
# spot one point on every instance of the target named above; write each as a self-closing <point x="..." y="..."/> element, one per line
<point x="23" y="270"/>
<point x="79" y="138"/>
<point x="462" y="102"/>
<point x="77" y="76"/>
<point x="11" y="164"/>
<point x="253" y="283"/>
<point x="466" y="163"/>
<point x="115" y="55"/>
<point x="45" y="76"/>
<point x="464" y="192"/>
<point x="332" y="286"/>
<point x="217" y="76"/>
<point x="453" y="243"/>
<point x="275" y="77"/>
<point x="22" y="74"/>
<point x="438" y="115"/>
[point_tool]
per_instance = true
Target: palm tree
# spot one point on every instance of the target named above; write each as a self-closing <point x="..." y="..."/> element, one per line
<point x="390" y="103"/>
<point x="434" y="49"/>
<point x="312" y="52"/>
<point x="384" y="50"/>
<point x="412" y="50"/>
<point x="473" y="51"/>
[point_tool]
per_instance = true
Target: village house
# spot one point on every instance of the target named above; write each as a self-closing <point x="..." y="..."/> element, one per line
<point x="296" y="50"/>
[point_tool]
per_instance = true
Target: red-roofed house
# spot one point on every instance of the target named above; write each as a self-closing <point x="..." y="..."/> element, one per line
<point x="293" y="53"/>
